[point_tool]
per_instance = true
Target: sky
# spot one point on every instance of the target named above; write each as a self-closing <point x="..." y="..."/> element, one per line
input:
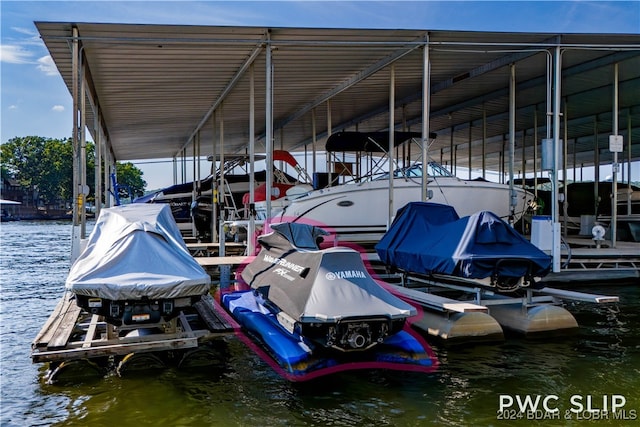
<point x="34" y="100"/>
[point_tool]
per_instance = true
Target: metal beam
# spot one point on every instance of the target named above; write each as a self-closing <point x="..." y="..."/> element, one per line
<point x="426" y="109"/>
<point x="227" y="90"/>
<point x="474" y="102"/>
<point x="367" y="72"/>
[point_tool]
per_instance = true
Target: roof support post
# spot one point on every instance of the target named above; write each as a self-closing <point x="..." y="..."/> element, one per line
<point x="555" y="213"/>
<point x="484" y="142"/>
<point x="392" y="96"/>
<point x="222" y="194"/>
<point x="82" y="166"/>
<point x="469" y="160"/>
<point x="214" y="181"/>
<point x="99" y="145"/>
<point x="451" y="159"/>
<point x="199" y="172"/>
<point x="523" y="171"/>
<point x="183" y="161"/>
<point x="574" y="160"/>
<point x="512" y="141"/>
<point x="564" y="157"/>
<point x="535" y="154"/>
<point x="596" y="163"/>
<point x="225" y="270"/>
<point x="328" y="158"/>
<point x="108" y="169"/>
<point x="252" y="149"/>
<point x="426" y="107"/>
<point x="629" y="133"/>
<point x="313" y="139"/>
<point x="196" y="179"/>
<point x="106" y="160"/>
<point x="269" y="127"/>
<point x="614" y="189"/>
<point x="174" y="162"/>
<point x="74" y="93"/>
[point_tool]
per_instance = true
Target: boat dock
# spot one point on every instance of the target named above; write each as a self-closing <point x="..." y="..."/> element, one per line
<point x="209" y="249"/>
<point x="72" y="335"/>
<point x="483" y="315"/>
<point x="589" y="261"/>
<point x="583" y="263"/>
<point x="488" y="314"/>
<point x="464" y="107"/>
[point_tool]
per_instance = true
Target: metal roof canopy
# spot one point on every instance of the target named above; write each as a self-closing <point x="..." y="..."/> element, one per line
<point x="155" y="87"/>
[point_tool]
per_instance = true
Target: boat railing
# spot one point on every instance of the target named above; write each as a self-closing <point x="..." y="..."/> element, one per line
<point x="375" y="169"/>
<point x="230" y="207"/>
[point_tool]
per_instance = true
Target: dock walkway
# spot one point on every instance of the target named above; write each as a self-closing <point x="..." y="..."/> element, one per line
<point x="586" y="262"/>
<point x="71" y="333"/>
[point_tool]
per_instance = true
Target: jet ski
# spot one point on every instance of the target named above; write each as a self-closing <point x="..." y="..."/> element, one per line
<point x="317" y="311"/>
<point x="429" y="239"/>
<point x="136" y="268"/>
<point x="325" y="295"/>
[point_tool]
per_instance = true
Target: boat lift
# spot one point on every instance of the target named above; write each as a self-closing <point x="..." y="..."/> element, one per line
<point x="73" y="338"/>
<point x="483" y="318"/>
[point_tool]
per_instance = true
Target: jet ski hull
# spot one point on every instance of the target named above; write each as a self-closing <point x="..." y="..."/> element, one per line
<point x="298" y="359"/>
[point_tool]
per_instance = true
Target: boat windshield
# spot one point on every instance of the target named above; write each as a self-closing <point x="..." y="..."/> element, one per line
<point x="415" y="171"/>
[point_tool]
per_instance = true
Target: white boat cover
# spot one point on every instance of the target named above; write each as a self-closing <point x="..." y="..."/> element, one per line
<point x="136" y="251"/>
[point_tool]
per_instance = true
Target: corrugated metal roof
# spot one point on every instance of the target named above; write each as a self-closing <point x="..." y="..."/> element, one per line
<point x="156" y="84"/>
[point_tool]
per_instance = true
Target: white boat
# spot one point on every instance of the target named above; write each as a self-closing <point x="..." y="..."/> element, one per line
<point x="359" y="211"/>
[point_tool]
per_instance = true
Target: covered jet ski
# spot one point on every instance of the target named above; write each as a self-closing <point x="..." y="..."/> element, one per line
<point x="135" y="268"/>
<point x="324" y="295"/>
<point x="315" y="312"/>
<point x="430" y="239"/>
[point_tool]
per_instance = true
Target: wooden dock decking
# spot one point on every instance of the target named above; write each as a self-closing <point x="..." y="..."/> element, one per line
<point x="71" y="333"/>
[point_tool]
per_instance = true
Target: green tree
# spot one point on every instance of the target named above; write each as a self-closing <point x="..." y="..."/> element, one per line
<point x="45" y="165"/>
<point x="21" y="158"/>
<point x="130" y="176"/>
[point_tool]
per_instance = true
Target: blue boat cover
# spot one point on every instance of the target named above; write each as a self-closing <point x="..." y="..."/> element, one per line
<point x="428" y="238"/>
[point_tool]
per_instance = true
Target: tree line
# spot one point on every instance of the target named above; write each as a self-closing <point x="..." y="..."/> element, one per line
<point x="46" y="165"/>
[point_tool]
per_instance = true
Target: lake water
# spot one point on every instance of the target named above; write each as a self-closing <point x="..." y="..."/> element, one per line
<point x="600" y="363"/>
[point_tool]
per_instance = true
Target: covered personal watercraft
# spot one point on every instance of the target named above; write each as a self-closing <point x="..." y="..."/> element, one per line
<point x="324" y="295"/>
<point x="135" y="268"/>
<point x="319" y="311"/>
<point x="430" y="239"/>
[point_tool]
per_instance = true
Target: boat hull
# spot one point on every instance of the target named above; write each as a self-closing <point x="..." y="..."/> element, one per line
<point x="297" y="359"/>
<point x="359" y="212"/>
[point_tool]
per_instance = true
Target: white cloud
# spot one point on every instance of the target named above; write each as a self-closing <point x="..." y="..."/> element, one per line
<point x="13" y="54"/>
<point x="13" y="107"/>
<point x="58" y="108"/>
<point x="47" y="66"/>
<point x="26" y="31"/>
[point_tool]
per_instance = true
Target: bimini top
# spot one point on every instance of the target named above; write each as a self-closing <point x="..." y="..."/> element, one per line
<point x="313" y="285"/>
<point x="136" y="251"/>
<point x="427" y="238"/>
<point x="373" y="142"/>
